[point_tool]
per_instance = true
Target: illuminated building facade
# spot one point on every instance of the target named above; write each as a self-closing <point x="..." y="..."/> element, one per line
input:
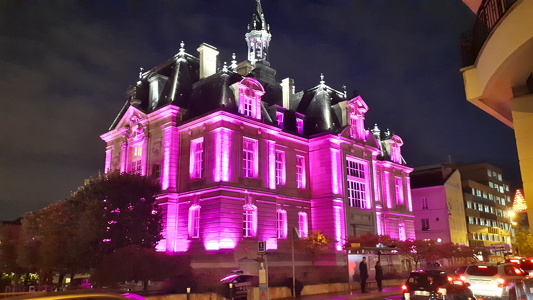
<point x="497" y="72"/>
<point x="438" y="204"/>
<point x="243" y="158"/>
<point x="448" y="195"/>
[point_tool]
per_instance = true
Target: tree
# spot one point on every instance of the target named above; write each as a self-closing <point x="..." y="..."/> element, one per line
<point x="315" y="244"/>
<point x="372" y="240"/>
<point x="418" y="249"/>
<point x="122" y="211"/>
<point x="523" y="242"/>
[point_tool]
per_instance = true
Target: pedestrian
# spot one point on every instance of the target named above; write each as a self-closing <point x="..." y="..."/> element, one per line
<point x="379" y="275"/>
<point x="363" y="274"/>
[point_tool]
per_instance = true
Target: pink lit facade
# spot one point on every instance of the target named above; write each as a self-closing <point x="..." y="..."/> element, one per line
<point x="239" y="162"/>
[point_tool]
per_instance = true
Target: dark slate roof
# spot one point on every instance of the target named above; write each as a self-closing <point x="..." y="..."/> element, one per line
<point x="213" y="93"/>
<point x="316" y="104"/>
<point x="428" y="177"/>
<point x="258" y="19"/>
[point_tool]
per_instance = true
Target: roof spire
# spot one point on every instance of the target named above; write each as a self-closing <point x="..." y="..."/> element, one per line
<point x="233" y="65"/>
<point x="258" y="36"/>
<point x="141" y="69"/>
<point x="322" y="78"/>
<point x="182" y="49"/>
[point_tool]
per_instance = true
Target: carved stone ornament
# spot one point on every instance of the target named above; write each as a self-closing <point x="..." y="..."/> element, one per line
<point x="136" y="128"/>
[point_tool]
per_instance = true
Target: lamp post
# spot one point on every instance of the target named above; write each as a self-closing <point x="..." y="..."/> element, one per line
<point x="293" y="233"/>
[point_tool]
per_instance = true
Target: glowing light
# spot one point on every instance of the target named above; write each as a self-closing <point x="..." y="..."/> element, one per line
<point x="222" y="148"/>
<point x="378" y="223"/>
<point x="409" y="199"/>
<point x="272" y="165"/>
<point x="387" y="188"/>
<point x="339" y="236"/>
<point x="519" y="203"/>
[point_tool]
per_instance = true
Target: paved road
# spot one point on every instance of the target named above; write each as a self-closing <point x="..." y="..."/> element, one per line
<point x="392" y="292"/>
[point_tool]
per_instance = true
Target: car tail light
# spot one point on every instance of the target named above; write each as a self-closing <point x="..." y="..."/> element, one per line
<point x="516" y="261"/>
<point x="501" y="282"/>
<point x="450" y="279"/>
<point x="442" y="291"/>
<point x="463" y="278"/>
<point x="482" y="267"/>
<point x="404" y="287"/>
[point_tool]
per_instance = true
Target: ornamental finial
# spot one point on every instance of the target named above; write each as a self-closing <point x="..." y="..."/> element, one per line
<point x="182" y="47"/>
<point x="322" y="78"/>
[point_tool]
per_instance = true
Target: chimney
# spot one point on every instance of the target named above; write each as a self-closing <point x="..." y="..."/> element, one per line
<point x="287" y="86"/>
<point x="208" y="60"/>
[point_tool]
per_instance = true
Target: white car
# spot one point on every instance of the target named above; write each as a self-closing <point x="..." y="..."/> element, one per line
<point x="493" y="280"/>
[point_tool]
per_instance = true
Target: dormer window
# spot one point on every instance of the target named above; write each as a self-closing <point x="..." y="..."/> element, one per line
<point x="279" y="118"/>
<point x="357" y="110"/>
<point x="395" y="151"/>
<point x="250" y="93"/>
<point x="300" y="125"/>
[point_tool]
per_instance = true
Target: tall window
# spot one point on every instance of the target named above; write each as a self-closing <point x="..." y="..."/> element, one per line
<point x="280" y="167"/>
<point x="302" y="224"/>
<point x="279" y="118"/>
<point x="356" y="183"/>
<point x="399" y="190"/>
<point x="136" y="162"/>
<point x="300" y="172"/>
<point x="425" y="224"/>
<point x="249" y="150"/>
<point x="196" y="169"/>
<point x="247" y="106"/>
<point x="249" y="220"/>
<point x="282" y="224"/>
<point x="156" y="171"/>
<point x="424" y="203"/>
<point x="194" y="221"/>
<point x="401" y="232"/>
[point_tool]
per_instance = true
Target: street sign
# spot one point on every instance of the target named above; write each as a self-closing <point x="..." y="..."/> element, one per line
<point x="261" y="246"/>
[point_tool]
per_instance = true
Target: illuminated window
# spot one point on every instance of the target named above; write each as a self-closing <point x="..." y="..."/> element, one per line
<point x="279" y="118"/>
<point x="249" y="220"/>
<point x="194" y="221"/>
<point x="300" y="172"/>
<point x="136" y="162"/>
<point x="249" y="150"/>
<point x="247" y="106"/>
<point x="302" y="224"/>
<point x="196" y="168"/>
<point x="356" y="183"/>
<point x="399" y="190"/>
<point x="282" y="224"/>
<point x="300" y="125"/>
<point x="280" y="167"/>
<point x="468" y="204"/>
<point x="425" y="224"/>
<point x="424" y="203"/>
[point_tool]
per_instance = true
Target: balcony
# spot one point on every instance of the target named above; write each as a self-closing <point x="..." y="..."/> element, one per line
<point x="489" y="14"/>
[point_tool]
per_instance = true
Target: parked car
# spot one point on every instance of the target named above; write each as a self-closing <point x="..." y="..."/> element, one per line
<point x="494" y="280"/>
<point x="240" y="284"/>
<point x="435" y="285"/>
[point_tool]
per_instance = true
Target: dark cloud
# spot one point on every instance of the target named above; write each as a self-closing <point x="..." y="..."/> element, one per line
<point x="66" y="64"/>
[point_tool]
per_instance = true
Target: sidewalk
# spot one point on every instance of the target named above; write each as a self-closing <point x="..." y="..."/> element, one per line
<point x="352" y="295"/>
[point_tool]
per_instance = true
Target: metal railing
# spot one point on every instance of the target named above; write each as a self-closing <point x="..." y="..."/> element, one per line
<point x="488" y="15"/>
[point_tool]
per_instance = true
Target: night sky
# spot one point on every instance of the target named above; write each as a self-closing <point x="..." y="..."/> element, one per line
<point x="65" y="66"/>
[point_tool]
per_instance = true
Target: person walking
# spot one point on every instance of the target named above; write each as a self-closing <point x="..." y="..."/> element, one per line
<point x="363" y="274"/>
<point x="379" y="275"/>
